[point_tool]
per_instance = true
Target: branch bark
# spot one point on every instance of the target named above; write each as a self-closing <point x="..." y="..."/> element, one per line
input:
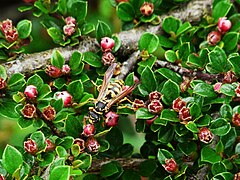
<point x="27" y="63"/>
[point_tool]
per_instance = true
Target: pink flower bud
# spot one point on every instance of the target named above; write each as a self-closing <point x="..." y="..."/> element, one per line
<point x="224" y="25"/>
<point x="11" y="35"/>
<point x="184" y="114"/>
<point x="108" y="58"/>
<point x="6" y="25"/>
<point x="217" y="87"/>
<point x="80" y="143"/>
<point x="70" y="21"/>
<point x="155" y="95"/>
<point x="89" y="130"/>
<point x="236" y="119"/>
<point x="2" y="177"/>
<point x="66" y="69"/>
<point x="135" y="78"/>
<point x="49" y="113"/>
<point x="170" y="166"/>
<point x="107" y="44"/>
<point x="68" y="30"/>
<point x="205" y="135"/>
<point x="147" y="9"/>
<point x="155" y="107"/>
<point x="229" y="77"/>
<point x="3" y="83"/>
<point x="30" y="146"/>
<point x="50" y="145"/>
<point x="213" y="38"/>
<point x="111" y="119"/>
<point x="237" y="90"/>
<point x="31" y="92"/>
<point x="66" y="97"/>
<point x="28" y="111"/>
<point x="92" y="144"/>
<point x="138" y="103"/>
<point x="178" y="104"/>
<point x="53" y="71"/>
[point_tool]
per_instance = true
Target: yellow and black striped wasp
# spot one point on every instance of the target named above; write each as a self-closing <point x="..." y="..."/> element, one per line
<point x="109" y="94"/>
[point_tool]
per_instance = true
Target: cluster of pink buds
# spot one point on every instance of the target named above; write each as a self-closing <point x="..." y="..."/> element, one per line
<point x="66" y="97"/>
<point x="138" y="103"/>
<point x="81" y="143"/>
<point x="171" y="166"/>
<point x="223" y="27"/>
<point x="236" y="119"/>
<point x="70" y="26"/>
<point x="217" y="87"/>
<point x="31" y="92"/>
<point x="3" y="83"/>
<point x="92" y="144"/>
<point x="155" y="106"/>
<point x="229" y="77"/>
<point x="111" y="119"/>
<point x="49" y="113"/>
<point x="50" y="145"/>
<point x="88" y="130"/>
<point x="9" y="31"/>
<point x="56" y="72"/>
<point x="30" y="146"/>
<point x="183" y="112"/>
<point x="237" y="90"/>
<point x="147" y="9"/>
<point x="205" y="135"/>
<point x="28" y="111"/>
<point x="107" y="45"/>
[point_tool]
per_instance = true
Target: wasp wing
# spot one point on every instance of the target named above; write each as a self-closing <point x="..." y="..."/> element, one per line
<point x="121" y="95"/>
<point x="106" y="80"/>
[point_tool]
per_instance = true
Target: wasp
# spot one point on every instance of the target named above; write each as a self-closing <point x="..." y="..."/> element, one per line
<point x="109" y="94"/>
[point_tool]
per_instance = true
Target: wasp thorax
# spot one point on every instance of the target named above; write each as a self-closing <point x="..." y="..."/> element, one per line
<point x="93" y="117"/>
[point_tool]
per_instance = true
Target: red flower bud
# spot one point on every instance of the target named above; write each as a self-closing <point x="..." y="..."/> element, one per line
<point x="2" y="177"/>
<point x="6" y="25"/>
<point x="237" y="176"/>
<point x="229" y="77"/>
<point x="111" y="119"/>
<point x="185" y="84"/>
<point x="66" y="69"/>
<point x="50" y="145"/>
<point x="155" y="95"/>
<point x="49" y="113"/>
<point x="68" y="30"/>
<point x="147" y="9"/>
<point x="66" y="97"/>
<point x="53" y="71"/>
<point x="150" y="121"/>
<point x="3" y="83"/>
<point x="31" y="92"/>
<point x="89" y="130"/>
<point x="92" y="144"/>
<point x="11" y="35"/>
<point x="170" y="166"/>
<point x="224" y="25"/>
<point x="80" y="143"/>
<point x="70" y="21"/>
<point x="178" y="104"/>
<point x="236" y="119"/>
<point x="237" y="90"/>
<point x="31" y="146"/>
<point x="28" y="111"/>
<point x="135" y="78"/>
<point x="214" y="37"/>
<point x="138" y="103"/>
<point x="217" y="87"/>
<point x="184" y="114"/>
<point x="108" y="58"/>
<point x="155" y="107"/>
<point x="107" y="44"/>
<point x="205" y="135"/>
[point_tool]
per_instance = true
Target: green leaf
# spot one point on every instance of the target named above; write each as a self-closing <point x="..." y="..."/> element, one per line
<point x="163" y="154"/>
<point x="187" y="147"/>
<point x="230" y="40"/>
<point x="3" y="72"/>
<point x="221" y="9"/>
<point x="75" y="150"/>
<point x="171" y="75"/>
<point x="170" y="92"/>
<point x="148" y="79"/>
<point x="6" y="106"/>
<point x="24" y="28"/>
<point x="73" y="126"/>
<point x="62" y="6"/>
<point x="44" y="91"/>
<point x="230" y="138"/>
<point x="16" y="82"/>
<point x="41" y="7"/>
<point x="92" y="59"/>
<point x="24" y="123"/>
<point x="148" y="42"/>
<point x="203" y="121"/>
<point x="39" y="138"/>
<point x="75" y="60"/>
<point x="60" y="173"/>
<point x="87" y="28"/>
<point x="35" y="80"/>
<point x="235" y="62"/>
<point x="205" y="90"/>
<point x="130" y="174"/>
<point x="12" y="159"/>
<point x="126" y="150"/>
<point x="115" y="139"/>
<point x="109" y="169"/>
<point x="57" y="59"/>
<point x="170" y="56"/>
<point x="237" y="148"/>
<point x="61" y="152"/>
<point x="147" y="167"/>
<point x="228" y="89"/>
<point x="171" y="25"/>
<point x="169" y="115"/>
<point x="220" y="127"/>
<point x="165" y="42"/>
<point x="78" y="9"/>
<point x="55" y="34"/>
<point x="224" y="176"/>
<point x="86" y="161"/>
<point x="191" y="126"/>
<point x="195" y="110"/>
<point x="218" y="167"/>
<point x="102" y="30"/>
<point x="183" y="28"/>
<point x="209" y="155"/>
<point x="165" y="134"/>
<point x="76" y="89"/>
<point x="125" y="11"/>
<point x="143" y="113"/>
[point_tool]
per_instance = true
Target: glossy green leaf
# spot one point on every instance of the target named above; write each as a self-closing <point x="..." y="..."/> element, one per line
<point x="209" y="155"/>
<point x="57" y="59"/>
<point x="230" y="138"/>
<point x="191" y="126"/>
<point x="60" y="173"/>
<point x="147" y="167"/>
<point x="235" y="62"/>
<point x="143" y="113"/>
<point x="16" y="82"/>
<point x="165" y="134"/>
<point x="221" y="9"/>
<point x="39" y="138"/>
<point x="109" y="169"/>
<point x="102" y="30"/>
<point x="115" y="139"/>
<point x="75" y="88"/>
<point x="92" y="59"/>
<point x="78" y="9"/>
<point x="187" y="147"/>
<point x="24" y="123"/>
<point x="3" y="73"/>
<point x="148" y="42"/>
<point x="224" y="176"/>
<point x="24" y="28"/>
<point x="170" y="24"/>
<point x="170" y="56"/>
<point x="230" y="40"/>
<point x="226" y="111"/>
<point x="126" y="150"/>
<point x="125" y="11"/>
<point x="146" y="75"/>
<point x="171" y="75"/>
<point x="218" y="167"/>
<point x="73" y="126"/>
<point x="55" y="34"/>
<point x="169" y="115"/>
<point x="220" y="127"/>
<point x="163" y="154"/>
<point x="35" y="80"/>
<point x="205" y="90"/>
<point x="170" y="92"/>
<point x="183" y="28"/>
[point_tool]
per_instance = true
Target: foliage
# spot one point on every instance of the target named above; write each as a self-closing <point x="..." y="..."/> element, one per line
<point x="188" y="108"/>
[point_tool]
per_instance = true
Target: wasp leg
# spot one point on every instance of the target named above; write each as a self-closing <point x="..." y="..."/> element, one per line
<point x="125" y="106"/>
<point x="98" y="86"/>
<point x="125" y="99"/>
